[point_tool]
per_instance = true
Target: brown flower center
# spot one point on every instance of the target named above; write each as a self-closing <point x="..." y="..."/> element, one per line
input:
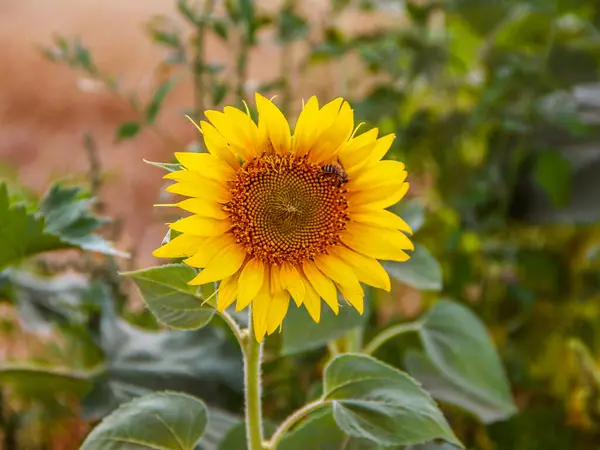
<point x="287" y="209"/>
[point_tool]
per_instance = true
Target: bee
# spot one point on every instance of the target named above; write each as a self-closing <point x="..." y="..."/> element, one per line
<point x="336" y="172"/>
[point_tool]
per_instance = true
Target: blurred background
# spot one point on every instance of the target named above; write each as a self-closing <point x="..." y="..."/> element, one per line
<point x="496" y="111"/>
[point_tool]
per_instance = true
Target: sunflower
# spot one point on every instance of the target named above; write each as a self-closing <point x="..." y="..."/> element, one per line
<point x="276" y="215"/>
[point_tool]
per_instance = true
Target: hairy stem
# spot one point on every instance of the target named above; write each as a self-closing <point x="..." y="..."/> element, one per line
<point x="252" y="389"/>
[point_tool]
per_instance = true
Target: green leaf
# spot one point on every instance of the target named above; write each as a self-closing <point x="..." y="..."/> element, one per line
<point x="22" y="233"/>
<point x="169" y="297"/>
<point x="375" y="401"/>
<point x="34" y="381"/>
<point x="68" y="216"/>
<point x="63" y="220"/>
<point x="319" y="431"/>
<point x="290" y="25"/>
<point x="412" y="211"/>
<point x="158" y="98"/>
<point x="169" y="167"/>
<point x="205" y="363"/>
<point x="163" y="420"/>
<point x="460" y="349"/>
<point x="445" y="390"/>
<point x="300" y="333"/>
<point x="553" y="173"/>
<point x="127" y="130"/>
<point x="421" y="271"/>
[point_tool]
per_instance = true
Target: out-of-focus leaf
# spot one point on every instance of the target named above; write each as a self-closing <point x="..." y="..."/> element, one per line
<point x="204" y="362"/>
<point x="38" y="382"/>
<point x="68" y="216"/>
<point x="460" y="348"/>
<point x="169" y="297"/>
<point x="378" y="402"/>
<point x="443" y="389"/>
<point x="412" y="211"/>
<point x="162" y="420"/>
<point x="158" y="98"/>
<point x="127" y="130"/>
<point x="301" y="333"/>
<point x="421" y="271"/>
<point x="218" y="91"/>
<point x="63" y="221"/>
<point x="22" y="233"/>
<point x="553" y="173"/>
<point x="290" y="25"/>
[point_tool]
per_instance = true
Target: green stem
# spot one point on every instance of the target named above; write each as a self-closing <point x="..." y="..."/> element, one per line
<point x="292" y="420"/>
<point x="252" y="381"/>
<point x="354" y="340"/>
<point x="388" y="334"/>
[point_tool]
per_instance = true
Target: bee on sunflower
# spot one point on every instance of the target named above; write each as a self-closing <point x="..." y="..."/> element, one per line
<point x="276" y="215"/>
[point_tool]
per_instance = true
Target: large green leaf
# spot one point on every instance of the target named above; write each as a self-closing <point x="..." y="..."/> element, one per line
<point x="236" y="437"/>
<point x="421" y="271"/>
<point x="169" y="297"/>
<point x="461" y="350"/>
<point x="444" y="389"/>
<point x="204" y="362"/>
<point x="301" y="333"/>
<point x="375" y="401"/>
<point x="163" y="420"/>
<point x="320" y="431"/>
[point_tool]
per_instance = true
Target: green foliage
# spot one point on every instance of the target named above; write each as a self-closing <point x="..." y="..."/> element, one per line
<point x="63" y="220"/>
<point x="421" y="271"/>
<point x="169" y="297"/>
<point x="300" y="333"/>
<point x="373" y="400"/>
<point x="153" y="421"/>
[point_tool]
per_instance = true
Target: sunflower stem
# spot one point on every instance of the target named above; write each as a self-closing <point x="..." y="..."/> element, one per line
<point x="293" y="420"/>
<point x="252" y="389"/>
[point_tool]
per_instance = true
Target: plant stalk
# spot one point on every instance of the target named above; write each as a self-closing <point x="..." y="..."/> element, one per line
<point x="252" y="389"/>
<point x="388" y="334"/>
<point x="292" y="420"/>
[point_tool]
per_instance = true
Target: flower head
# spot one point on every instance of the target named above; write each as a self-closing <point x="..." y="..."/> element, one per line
<point x="276" y="215"/>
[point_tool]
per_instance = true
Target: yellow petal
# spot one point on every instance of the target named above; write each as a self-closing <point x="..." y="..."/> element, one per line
<point x="272" y="126"/>
<point x="227" y="292"/>
<point x="322" y="284"/>
<point x="201" y="226"/>
<point x="201" y="188"/>
<point x="336" y="269"/>
<point x="353" y="296"/>
<point x="183" y="245"/>
<point x="380" y="198"/>
<point x="332" y="137"/>
<point x="380" y="173"/>
<point x="312" y="301"/>
<point x="209" y="249"/>
<point x="382" y="147"/>
<point x="275" y="283"/>
<point x="376" y="242"/>
<point x="224" y="264"/>
<point x="292" y="281"/>
<point x="260" y="312"/>
<point x="204" y="208"/>
<point x="250" y="282"/>
<point x="206" y="165"/>
<point x="217" y="145"/>
<point x="306" y="127"/>
<point x="368" y="270"/>
<point x="278" y="309"/>
<point x="382" y="218"/>
<point x="355" y="153"/>
<point x="238" y="130"/>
